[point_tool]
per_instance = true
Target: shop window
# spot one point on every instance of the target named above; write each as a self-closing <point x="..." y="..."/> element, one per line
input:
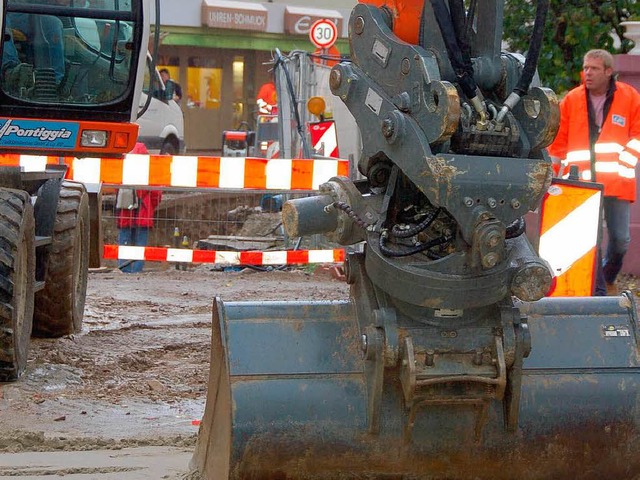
<point x="204" y="83"/>
<point x="238" y="89"/>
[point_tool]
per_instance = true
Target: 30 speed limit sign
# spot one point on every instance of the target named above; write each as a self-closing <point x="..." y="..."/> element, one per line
<point x="323" y="33"/>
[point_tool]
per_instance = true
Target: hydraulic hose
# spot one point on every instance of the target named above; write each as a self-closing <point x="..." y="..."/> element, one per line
<point x="459" y="20"/>
<point x="471" y="13"/>
<point x="530" y="64"/>
<point x="535" y="45"/>
<point x="464" y="77"/>
<point x="410" y="232"/>
<point x="412" y="250"/>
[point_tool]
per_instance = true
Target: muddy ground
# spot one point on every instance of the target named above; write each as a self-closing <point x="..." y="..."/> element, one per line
<point x="136" y="375"/>
<point x="127" y="393"/>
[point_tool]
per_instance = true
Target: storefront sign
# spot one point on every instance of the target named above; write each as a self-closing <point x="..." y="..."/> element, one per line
<point x="234" y="15"/>
<point x="298" y="20"/>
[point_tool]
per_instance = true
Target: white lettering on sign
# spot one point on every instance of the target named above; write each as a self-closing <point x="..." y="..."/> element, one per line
<point x="237" y="19"/>
<point x="220" y="17"/>
<point x="41" y="133"/>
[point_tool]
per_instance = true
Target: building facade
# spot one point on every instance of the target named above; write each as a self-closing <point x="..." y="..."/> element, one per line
<point x="220" y="50"/>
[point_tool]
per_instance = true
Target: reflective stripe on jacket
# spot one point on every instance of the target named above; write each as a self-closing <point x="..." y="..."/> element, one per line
<point x="617" y="148"/>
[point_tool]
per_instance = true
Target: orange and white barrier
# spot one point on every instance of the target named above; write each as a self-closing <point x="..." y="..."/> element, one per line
<point x="569" y="226"/>
<point x="192" y="171"/>
<point x="220" y="257"/>
<point x="28" y="163"/>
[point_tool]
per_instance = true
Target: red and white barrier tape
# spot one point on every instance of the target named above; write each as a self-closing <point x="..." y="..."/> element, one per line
<point x="220" y="257"/>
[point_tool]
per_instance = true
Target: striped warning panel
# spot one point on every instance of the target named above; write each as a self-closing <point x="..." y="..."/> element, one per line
<point x="324" y="138"/>
<point x="569" y="226"/>
<point x="220" y="257"/>
<point x="192" y="171"/>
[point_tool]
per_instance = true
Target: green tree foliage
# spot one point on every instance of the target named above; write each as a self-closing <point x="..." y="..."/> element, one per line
<point x="573" y="27"/>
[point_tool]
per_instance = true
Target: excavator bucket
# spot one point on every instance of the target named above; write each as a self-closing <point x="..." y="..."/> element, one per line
<point x="288" y="398"/>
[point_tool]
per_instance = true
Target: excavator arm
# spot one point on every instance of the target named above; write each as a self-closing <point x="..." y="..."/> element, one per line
<point x="447" y="361"/>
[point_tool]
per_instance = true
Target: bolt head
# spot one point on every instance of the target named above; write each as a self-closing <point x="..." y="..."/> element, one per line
<point x="490" y="260"/>
<point x="364" y="343"/>
<point x="493" y="239"/>
<point x="335" y="79"/>
<point x="387" y="127"/>
<point x="358" y="25"/>
<point x="405" y="67"/>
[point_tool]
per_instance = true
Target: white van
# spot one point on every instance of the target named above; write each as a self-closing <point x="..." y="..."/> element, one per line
<point x="162" y="125"/>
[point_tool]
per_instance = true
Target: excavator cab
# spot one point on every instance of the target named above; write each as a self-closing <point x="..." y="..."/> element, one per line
<point x="72" y="73"/>
<point x="447" y="361"/>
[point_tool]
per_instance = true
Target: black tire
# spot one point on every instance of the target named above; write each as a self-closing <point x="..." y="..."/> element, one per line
<point x="169" y="148"/>
<point x="59" y="307"/>
<point x="17" y="277"/>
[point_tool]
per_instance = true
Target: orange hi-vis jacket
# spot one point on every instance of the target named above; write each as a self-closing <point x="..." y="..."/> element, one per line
<point x="617" y="147"/>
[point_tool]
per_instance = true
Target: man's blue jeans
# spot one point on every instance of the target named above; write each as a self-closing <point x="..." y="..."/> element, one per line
<point x="51" y="41"/>
<point x="617" y="215"/>
<point x="134" y="236"/>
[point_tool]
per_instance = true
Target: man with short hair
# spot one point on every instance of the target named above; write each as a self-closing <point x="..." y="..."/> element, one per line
<point x="170" y="85"/>
<point x="600" y="134"/>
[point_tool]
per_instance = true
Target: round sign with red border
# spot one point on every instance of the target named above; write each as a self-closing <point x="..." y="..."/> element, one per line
<point x="323" y="33"/>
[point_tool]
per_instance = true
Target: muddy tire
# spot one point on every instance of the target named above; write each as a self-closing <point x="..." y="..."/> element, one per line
<point x="59" y="307"/>
<point x="17" y="277"/>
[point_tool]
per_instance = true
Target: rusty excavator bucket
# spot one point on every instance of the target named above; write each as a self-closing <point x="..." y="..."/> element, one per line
<point x="447" y="361"/>
<point x="289" y="397"/>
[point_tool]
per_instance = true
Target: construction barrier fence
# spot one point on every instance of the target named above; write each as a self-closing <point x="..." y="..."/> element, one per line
<point x="214" y="227"/>
<point x="217" y="210"/>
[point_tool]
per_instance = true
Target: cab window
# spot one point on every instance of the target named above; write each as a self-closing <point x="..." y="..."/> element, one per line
<point x="68" y="51"/>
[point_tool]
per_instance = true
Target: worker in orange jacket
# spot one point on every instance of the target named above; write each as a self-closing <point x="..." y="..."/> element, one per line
<point x="600" y="134"/>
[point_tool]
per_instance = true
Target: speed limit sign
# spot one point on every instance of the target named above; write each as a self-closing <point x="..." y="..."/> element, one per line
<point x="323" y="33"/>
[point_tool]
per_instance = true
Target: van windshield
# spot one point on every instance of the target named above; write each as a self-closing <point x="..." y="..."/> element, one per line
<point x="68" y="51"/>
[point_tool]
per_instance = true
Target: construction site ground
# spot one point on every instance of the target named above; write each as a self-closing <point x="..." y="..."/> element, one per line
<point x="123" y="398"/>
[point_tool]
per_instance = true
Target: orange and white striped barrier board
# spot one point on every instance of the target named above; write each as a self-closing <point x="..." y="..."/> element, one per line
<point x="192" y="171"/>
<point x="221" y="257"/>
<point x="29" y="163"/>
<point x="569" y="227"/>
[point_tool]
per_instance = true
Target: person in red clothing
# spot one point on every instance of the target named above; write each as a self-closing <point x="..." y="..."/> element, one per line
<point x="267" y="99"/>
<point x="135" y="211"/>
<point x="600" y="135"/>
